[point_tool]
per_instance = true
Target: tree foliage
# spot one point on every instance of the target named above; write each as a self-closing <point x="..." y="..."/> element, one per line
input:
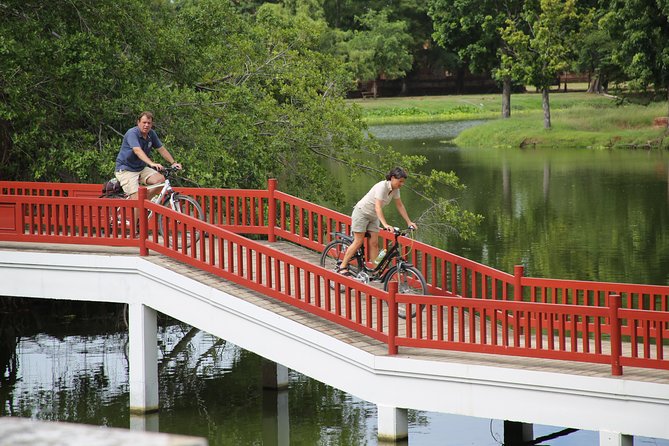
<point x="379" y="49"/>
<point x="541" y="45"/>
<point x="238" y="98"/>
<point x="640" y="29"/>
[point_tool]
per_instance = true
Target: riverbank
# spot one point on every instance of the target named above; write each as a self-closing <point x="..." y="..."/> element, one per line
<point x="578" y="119"/>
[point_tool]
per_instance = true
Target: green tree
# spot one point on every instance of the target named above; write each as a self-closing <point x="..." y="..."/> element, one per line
<point x="471" y="28"/>
<point x="63" y="64"/>
<point x="541" y="45"/>
<point x="379" y="49"/>
<point x="238" y="99"/>
<point x="594" y="52"/>
<point x="640" y="29"/>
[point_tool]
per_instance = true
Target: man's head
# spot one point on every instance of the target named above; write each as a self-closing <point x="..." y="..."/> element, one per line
<point x="145" y="122"/>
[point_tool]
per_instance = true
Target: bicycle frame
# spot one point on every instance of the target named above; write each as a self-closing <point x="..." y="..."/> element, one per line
<point x="166" y="193"/>
<point x="380" y="271"/>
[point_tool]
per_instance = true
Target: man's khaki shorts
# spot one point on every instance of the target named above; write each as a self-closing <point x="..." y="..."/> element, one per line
<point x="130" y="181"/>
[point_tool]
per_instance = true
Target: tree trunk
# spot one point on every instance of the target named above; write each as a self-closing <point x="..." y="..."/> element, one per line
<point x="565" y="82"/>
<point x="595" y="85"/>
<point x="374" y="89"/>
<point x="6" y="143"/>
<point x="460" y="81"/>
<point x="405" y="89"/>
<point x="506" y="97"/>
<point x="547" y="107"/>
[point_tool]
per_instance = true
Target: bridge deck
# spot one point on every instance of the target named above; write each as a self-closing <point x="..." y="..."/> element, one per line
<point x="344" y="334"/>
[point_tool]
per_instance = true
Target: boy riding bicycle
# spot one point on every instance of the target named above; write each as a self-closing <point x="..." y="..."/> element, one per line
<point x="368" y="215"/>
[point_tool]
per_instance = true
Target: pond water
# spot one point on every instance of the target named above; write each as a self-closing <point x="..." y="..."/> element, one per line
<point x="598" y="215"/>
<point x="577" y="214"/>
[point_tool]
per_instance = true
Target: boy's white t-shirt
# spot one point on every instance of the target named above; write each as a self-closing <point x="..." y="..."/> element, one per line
<point x="380" y="191"/>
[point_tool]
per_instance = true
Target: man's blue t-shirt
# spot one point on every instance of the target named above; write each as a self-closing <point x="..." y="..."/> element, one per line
<point x="126" y="159"/>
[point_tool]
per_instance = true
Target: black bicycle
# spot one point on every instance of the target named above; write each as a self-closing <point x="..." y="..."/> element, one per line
<point x="409" y="279"/>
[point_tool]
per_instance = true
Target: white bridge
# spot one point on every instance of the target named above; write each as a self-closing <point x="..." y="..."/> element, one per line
<point x="521" y="390"/>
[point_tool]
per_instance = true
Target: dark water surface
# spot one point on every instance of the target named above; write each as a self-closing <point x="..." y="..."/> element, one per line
<point x="576" y="214"/>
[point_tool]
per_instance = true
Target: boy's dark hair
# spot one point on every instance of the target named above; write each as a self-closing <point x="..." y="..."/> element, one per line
<point x="396" y="172"/>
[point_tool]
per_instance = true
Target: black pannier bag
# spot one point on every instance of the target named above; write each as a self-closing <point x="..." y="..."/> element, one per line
<point x="112" y="187"/>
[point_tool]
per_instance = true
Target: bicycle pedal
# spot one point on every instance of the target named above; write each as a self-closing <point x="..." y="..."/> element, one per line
<point x="362" y="277"/>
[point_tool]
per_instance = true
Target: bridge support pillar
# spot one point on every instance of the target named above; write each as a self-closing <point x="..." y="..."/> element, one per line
<point x="274" y="376"/>
<point x="393" y="424"/>
<point x="516" y="433"/>
<point x="143" y="358"/>
<point x="275" y="420"/>
<point x="149" y="422"/>
<point x="607" y="438"/>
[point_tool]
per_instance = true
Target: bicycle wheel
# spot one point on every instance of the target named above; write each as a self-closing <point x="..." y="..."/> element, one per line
<point x="409" y="281"/>
<point x="333" y="254"/>
<point x="188" y="206"/>
<point x="119" y="219"/>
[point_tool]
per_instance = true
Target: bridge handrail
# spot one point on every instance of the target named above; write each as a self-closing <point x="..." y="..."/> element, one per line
<point x="507" y="322"/>
<point x="452" y="275"/>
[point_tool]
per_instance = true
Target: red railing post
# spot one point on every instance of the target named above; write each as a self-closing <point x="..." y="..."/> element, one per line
<point x="392" y="318"/>
<point x="616" y="338"/>
<point x="518" y="271"/>
<point x="143" y="223"/>
<point x="271" y="209"/>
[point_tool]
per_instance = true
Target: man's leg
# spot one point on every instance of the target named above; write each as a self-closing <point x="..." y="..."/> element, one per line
<point x="130" y="184"/>
<point x="150" y="177"/>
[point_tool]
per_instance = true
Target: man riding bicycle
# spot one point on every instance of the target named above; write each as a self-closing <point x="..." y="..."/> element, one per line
<point x="133" y="164"/>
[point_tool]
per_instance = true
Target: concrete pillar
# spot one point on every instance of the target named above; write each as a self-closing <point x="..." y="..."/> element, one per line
<point x="274" y="376"/>
<point x="143" y="358"/>
<point x="275" y="418"/>
<point x="145" y="422"/>
<point x="393" y="424"/>
<point x="516" y="433"/>
<point x="607" y="438"/>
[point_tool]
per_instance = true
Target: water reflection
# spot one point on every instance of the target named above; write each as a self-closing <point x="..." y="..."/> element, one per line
<point x="208" y="388"/>
<point x="572" y="214"/>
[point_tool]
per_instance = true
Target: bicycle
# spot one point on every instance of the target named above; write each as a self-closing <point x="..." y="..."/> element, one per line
<point x="168" y="197"/>
<point x="410" y="280"/>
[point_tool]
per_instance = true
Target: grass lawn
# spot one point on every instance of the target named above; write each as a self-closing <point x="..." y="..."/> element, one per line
<point x="578" y="119"/>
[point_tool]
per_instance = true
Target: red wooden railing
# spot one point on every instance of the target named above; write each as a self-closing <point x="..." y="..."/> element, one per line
<point x="472" y="307"/>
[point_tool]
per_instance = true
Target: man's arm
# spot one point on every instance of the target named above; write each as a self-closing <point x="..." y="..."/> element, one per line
<point x="168" y="157"/>
<point x="141" y="155"/>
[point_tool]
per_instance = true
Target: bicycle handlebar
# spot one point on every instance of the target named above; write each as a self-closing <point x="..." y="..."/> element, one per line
<point x="167" y="171"/>
<point x="397" y="231"/>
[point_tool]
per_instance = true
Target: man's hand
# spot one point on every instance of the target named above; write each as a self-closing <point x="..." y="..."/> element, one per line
<point x="176" y="165"/>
